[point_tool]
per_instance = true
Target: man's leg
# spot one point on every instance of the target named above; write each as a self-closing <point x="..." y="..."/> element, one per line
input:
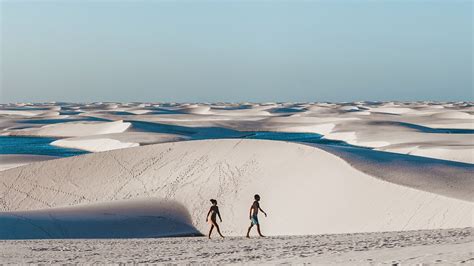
<point x="258" y="230"/>
<point x="248" y="231"/>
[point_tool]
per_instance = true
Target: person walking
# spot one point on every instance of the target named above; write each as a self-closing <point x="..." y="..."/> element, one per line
<point x="253" y="215"/>
<point x="213" y="213"/>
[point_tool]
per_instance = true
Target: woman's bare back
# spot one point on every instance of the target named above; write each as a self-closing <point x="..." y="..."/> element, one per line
<point x="214" y="211"/>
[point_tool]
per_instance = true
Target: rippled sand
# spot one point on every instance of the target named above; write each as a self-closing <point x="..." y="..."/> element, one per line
<point x="428" y="246"/>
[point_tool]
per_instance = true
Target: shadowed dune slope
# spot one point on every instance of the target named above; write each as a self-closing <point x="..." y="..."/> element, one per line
<point x="118" y="219"/>
<point x="449" y="178"/>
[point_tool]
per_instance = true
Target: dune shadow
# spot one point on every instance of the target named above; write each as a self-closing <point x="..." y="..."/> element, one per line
<point x="423" y="128"/>
<point x="118" y="219"/>
<point x="192" y="132"/>
<point x="161" y="128"/>
<point x="443" y="177"/>
<point x="63" y="120"/>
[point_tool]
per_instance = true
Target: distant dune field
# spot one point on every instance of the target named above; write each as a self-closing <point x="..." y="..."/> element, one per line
<point x="321" y="168"/>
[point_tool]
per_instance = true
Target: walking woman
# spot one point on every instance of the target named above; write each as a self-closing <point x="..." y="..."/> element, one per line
<point x="214" y="212"/>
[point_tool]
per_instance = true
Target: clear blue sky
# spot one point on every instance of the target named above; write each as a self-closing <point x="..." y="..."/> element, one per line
<point x="236" y="50"/>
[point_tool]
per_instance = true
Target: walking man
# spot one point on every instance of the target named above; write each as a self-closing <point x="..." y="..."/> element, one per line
<point x="253" y="215"/>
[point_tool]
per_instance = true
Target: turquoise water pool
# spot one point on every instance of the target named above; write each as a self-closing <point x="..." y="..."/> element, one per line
<point x="34" y="146"/>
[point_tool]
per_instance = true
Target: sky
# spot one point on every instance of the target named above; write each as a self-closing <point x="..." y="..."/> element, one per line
<point x="235" y="51"/>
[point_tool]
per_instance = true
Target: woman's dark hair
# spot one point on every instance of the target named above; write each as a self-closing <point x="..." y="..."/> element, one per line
<point x="256" y="197"/>
<point x="213" y="201"/>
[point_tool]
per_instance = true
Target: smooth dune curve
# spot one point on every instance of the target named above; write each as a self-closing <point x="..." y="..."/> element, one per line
<point x="74" y="129"/>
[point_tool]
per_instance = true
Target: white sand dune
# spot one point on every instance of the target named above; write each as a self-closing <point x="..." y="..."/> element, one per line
<point x="319" y="109"/>
<point x="106" y="142"/>
<point x="304" y="189"/>
<point x="31" y="111"/>
<point x="410" y="128"/>
<point x="94" y="145"/>
<point x="195" y="109"/>
<point x="391" y="110"/>
<point x="453" y="115"/>
<point x="409" y="138"/>
<point x="256" y="111"/>
<point x="73" y="129"/>
<point x="441" y="177"/>
<point x="463" y="154"/>
<point x="449" y="123"/>
<point x="139" y="111"/>
<point x="349" y="108"/>
<point x="51" y="114"/>
<point x="19" y="112"/>
<point x="322" y="129"/>
<point x="100" y="106"/>
<point x="126" y="111"/>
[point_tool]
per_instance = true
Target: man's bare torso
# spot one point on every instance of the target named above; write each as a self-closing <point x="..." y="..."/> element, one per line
<point x="255" y="207"/>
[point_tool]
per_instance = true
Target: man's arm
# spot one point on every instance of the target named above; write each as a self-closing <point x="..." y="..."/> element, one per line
<point x="262" y="210"/>
<point x="207" y="216"/>
<point x="250" y="212"/>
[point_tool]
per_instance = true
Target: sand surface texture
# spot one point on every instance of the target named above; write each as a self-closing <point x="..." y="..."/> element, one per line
<point x="443" y="247"/>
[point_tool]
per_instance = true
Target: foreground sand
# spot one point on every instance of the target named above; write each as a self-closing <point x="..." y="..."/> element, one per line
<point x="453" y="246"/>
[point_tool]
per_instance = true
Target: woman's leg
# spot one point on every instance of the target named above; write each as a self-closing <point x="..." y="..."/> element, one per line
<point x="214" y="223"/>
<point x="218" y="230"/>
<point x="210" y="231"/>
